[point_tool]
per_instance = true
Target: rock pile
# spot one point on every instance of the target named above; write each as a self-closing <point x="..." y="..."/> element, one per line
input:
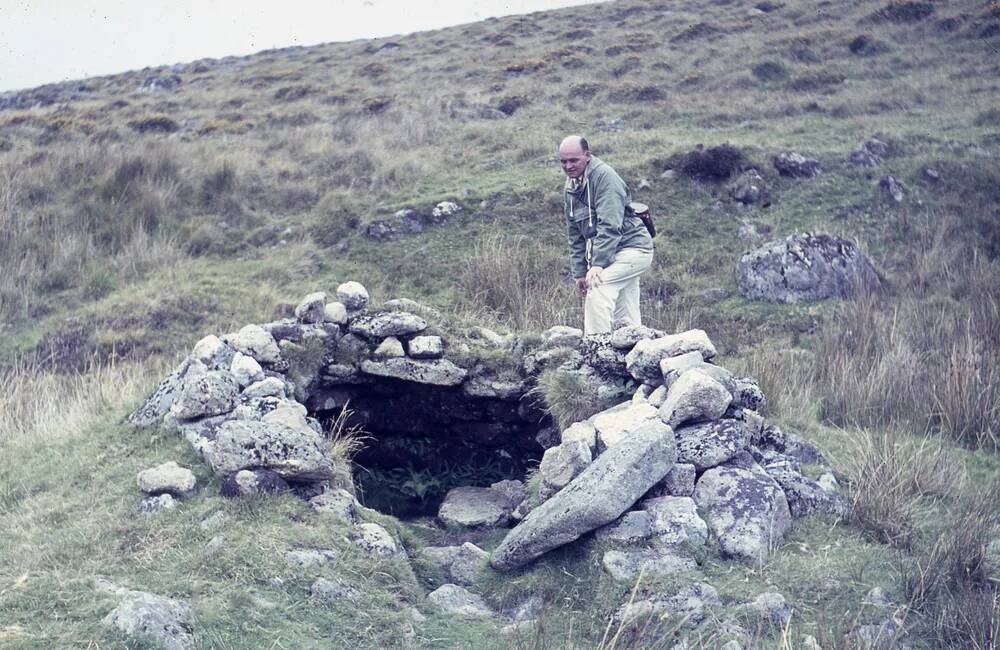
<point x="683" y="457"/>
<point x="687" y="455"/>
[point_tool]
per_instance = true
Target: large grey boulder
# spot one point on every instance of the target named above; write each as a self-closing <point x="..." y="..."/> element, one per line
<point x="474" y="507"/>
<point x="437" y="372"/>
<point x="452" y="599"/>
<point x="292" y="453"/>
<point x="712" y="443"/>
<point x="154" y="621"/>
<point x="805" y="267"/>
<point x="745" y="509"/>
<point x="694" y="397"/>
<point x="394" y="323"/>
<point x="167" y="478"/>
<point x="643" y="361"/>
<point x="209" y="393"/>
<point x="601" y="493"/>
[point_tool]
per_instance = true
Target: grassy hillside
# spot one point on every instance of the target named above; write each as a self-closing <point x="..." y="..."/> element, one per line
<point x="134" y="220"/>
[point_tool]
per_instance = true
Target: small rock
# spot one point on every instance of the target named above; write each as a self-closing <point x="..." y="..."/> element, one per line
<point x="159" y="503"/>
<point x="390" y="348"/>
<point x="329" y="591"/>
<point x="678" y="482"/>
<point x="267" y="387"/>
<point x="154" y="621"/>
<point x="426" y="347"/>
<point x="213" y="521"/>
<point x="338" y="502"/>
<point x="245" y="369"/>
<point x="213" y="352"/>
<point x="375" y="540"/>
<point x="561" y="464"/>
<point x="694" y="397"/>
<point x="168" y="478"/>
<point x="891" y="188"/>
<point x="310" y="557"/>
<point x="625" y="338"/>
<point x="452" y="599"/>
<point x="581" y="431"/>
<point x="335" y="312"/>
<point x="625" y="565"/>
<point x="312" y="309"/>
<point x="255" y="341"/>
<point x="251" y="482"/>
<point x="675" y="521"/>
<point x="613" y="424"/>
<point x="643" y="361"/>
<point x="562" y="336"/>
<point x="463" y="565"/>
<point x="210" y="393"/>
<point x="771" y="609"/>
<point x="864" y="158"/>
<point x="474" y="507"/>
<point x="353" y="296"/>
<point x="789" y="163"/>
<point x="931" y="174"/>
<point x="445" y="209"/>
<point x="215" y="545"/>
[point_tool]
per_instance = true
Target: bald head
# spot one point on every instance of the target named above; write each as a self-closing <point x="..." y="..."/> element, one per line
<point x="574" y="155"/>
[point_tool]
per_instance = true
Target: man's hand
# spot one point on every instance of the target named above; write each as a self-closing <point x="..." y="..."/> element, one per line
<point x="594" y="276"/>
<point x="581" y="286"/>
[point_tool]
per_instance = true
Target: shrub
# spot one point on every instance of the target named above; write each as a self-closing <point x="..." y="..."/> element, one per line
<point x="512" y="103"/>
<point x="293" y="93"/>
<point x="335" y="216"/>
<point x="953" y="584"/>
<point x="887" y="479"/>
<point x="865" y="45"/>
<point x="770" y="71"/>
<point x="155" y="124"/>
<point x="717" y="163"/>
<point x="373" y="105"/>
<point x="905" y="11"/>
<point x="642" y="93"/>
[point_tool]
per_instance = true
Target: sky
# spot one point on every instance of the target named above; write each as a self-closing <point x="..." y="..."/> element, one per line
<point x="46" y="41"/>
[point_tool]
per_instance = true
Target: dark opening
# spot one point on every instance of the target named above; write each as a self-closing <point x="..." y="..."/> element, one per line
<point x="421" y="441"/>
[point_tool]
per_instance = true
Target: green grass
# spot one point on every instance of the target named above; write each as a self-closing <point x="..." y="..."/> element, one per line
<point x="249" y="206"/>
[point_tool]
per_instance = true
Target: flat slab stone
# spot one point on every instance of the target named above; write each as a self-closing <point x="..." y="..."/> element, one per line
<point x="474" y="507"/>
<point x="452" y="599"/>
<point x="625" y="565"/>
<point x="395" y="323"/>
<point x="436" y="372"/>
<point x="613" y="424"/>
<point x="643" y="361"/>
<point x="599" y="495"/>
<point x="168" y="478"/>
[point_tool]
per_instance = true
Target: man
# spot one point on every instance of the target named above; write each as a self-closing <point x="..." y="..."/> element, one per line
<point x="609" y="246"/>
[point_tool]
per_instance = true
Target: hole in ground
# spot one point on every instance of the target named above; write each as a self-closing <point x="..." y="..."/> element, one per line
<point x="421" y="441"/>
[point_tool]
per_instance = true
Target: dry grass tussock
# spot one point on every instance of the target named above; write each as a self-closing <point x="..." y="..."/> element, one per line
<point x="37" y="405"/>
<point x="889" y="476"/>
<point x="925" y="355"/>
<point x="515" y="282"/>
<point x="954" y="586"/>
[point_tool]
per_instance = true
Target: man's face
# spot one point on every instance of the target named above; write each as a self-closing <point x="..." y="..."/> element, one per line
<point x="573" y="159"/>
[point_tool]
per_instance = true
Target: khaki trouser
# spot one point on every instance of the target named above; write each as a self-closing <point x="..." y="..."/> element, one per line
<point x="617" y="297"/>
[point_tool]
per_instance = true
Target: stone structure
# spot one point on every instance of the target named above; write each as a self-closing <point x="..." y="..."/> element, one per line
<point x="682" y="453"/>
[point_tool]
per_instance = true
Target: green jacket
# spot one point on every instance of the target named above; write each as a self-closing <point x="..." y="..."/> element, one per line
<point x="608" y="222"/>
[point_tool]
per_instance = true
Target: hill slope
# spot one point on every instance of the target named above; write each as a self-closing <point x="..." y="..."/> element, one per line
<point x="143" y="210"/>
